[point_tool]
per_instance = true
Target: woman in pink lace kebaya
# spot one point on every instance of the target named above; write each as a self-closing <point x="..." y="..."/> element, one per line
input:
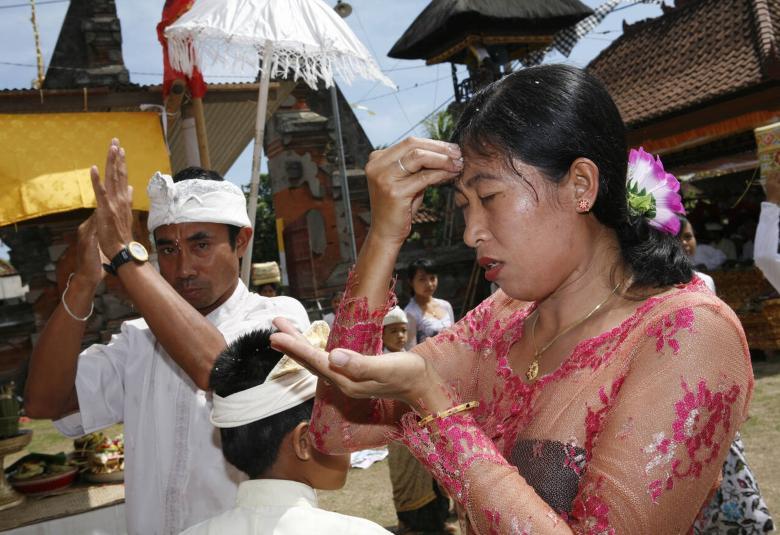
<point x="610" y="381"/>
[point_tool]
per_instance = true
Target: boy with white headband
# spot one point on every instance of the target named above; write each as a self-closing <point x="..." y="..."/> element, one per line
<point x="153" y="375"/>
<point x="395" y="330"/>
<point x="419" y="505"/>
<point x="262" y="405"/>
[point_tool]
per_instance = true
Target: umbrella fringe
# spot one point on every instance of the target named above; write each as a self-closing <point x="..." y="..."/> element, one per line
<point x="241" y="55"/>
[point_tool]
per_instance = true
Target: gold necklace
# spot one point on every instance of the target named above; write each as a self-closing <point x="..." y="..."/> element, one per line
<point x="533" y="370"/>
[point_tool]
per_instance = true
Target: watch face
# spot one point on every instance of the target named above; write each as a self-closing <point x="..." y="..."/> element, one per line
<point x="138" y="251"/>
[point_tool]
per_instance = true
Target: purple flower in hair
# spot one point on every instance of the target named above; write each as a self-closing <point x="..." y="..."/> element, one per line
<point x="652" y="192"/>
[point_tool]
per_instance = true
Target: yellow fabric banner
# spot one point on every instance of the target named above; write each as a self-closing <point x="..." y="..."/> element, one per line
<point x="45" y="162"/>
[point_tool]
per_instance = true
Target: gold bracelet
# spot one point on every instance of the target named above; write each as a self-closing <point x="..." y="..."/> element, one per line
<point x="449" y="412"/>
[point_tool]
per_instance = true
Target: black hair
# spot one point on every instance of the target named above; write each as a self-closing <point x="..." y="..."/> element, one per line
<point x="245" y="363"/>
<point x="547" y="117"/>
<point x="190" y="173"/>
<point x="425" y="264"/>
<point x="683" y="221"/>
<point x="194" y="172"/>
<point x="273" y="285"/>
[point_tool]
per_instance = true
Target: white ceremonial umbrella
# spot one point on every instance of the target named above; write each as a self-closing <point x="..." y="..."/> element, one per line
<point x="305" y="39"/>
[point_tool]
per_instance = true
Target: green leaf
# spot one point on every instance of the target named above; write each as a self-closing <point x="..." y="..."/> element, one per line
<point x="640" y="203"/>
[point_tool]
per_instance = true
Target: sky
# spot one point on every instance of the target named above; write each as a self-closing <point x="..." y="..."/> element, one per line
<point x="385" y="115"/>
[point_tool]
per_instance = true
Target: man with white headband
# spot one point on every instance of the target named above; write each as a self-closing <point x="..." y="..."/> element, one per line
<point x="262" y="405"/>
<point x="153" y="375"/>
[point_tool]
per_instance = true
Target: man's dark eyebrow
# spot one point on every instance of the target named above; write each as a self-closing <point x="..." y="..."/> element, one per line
<point x="164" y="241"/>
<point x="201" y="235"/>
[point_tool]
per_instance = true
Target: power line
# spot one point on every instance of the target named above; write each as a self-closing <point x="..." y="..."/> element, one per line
<point x="436" y="87"/>
<point x="415" y="86"/>
<point x="421" y="121"/>
<point x="597" y="38"/>
<point x="140" y="73"/>
<point x="408" y="68"/>
<point x="136" y="73"/>
<point x="373" y="51"/>
<point x="36" y="4"/>
<point x="403" y="111"/>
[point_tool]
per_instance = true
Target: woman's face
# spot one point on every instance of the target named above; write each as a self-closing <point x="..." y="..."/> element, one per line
<point x="529" y="246"/>
<point x="424" y="284"/>
<point x="688" y="239"/>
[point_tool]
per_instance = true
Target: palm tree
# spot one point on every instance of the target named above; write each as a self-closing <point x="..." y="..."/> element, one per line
<point x="440" y="126"/>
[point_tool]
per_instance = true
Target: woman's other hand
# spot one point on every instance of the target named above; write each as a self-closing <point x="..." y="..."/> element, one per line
<point x="397" y="178"/>
<point x="403" y="376"/>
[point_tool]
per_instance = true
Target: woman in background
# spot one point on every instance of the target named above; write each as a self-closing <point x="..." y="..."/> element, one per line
<point x="428" y="315"/>
<point x="688" y="241"/>
<point x="421" y="507"/>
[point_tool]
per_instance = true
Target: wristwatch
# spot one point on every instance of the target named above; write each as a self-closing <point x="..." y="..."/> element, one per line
<point x="132" y="251"/>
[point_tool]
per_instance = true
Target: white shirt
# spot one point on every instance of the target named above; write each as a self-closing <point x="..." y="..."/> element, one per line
<point x="708" y="281"/>
<point x="422" y="326"/>
<point x="175" y="474"/>
<point x="708" y="256"/>
<point x="765" y="246"/>
<point x="329" y="318"/>
<point x="282" y="507"/>
<point x="728" y="248"/>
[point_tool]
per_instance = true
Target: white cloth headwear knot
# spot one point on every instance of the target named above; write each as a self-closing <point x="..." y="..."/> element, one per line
<point x="289" y="384"/>
<point x="195" y="201"/>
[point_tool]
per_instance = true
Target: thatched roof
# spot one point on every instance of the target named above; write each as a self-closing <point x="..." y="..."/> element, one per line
<point x="446" y="23"/>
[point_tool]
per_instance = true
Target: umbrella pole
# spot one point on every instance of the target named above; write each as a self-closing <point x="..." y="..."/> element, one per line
<point x="257" y="153"/>
<point x="200" y="130"/>
<point x="334" y="99"/>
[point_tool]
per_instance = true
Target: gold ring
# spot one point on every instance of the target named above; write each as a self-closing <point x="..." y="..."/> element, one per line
<point x="404" y="169"/>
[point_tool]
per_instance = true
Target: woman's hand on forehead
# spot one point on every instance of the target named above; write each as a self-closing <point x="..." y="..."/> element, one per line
<point x="398" y="176"/>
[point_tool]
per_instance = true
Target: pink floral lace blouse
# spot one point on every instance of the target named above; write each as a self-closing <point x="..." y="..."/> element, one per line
<point x="627" y="436"/>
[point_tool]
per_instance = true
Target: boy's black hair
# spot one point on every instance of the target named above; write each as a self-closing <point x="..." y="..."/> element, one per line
<point x="246" y="362"/>
<point x="191" y="173"/>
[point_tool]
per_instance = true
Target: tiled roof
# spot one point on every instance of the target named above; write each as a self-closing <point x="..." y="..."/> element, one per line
<point x="697" y="52"/>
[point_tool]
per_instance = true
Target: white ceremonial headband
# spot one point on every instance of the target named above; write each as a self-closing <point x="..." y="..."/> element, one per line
<point x="264" y="400"/>
<point x="288" y="385"/>
<point x="195" y="201"/>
